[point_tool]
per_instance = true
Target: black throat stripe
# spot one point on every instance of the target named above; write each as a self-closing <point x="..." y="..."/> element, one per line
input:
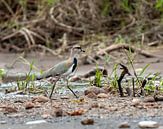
<point x="74" y="64"/>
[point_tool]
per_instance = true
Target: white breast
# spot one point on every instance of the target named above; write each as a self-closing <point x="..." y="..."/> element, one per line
<point x="69" y="72"/>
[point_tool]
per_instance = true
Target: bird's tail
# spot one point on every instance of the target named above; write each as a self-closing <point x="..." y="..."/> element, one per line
<point x="11" y="78"/>
<point x="43" y="76"/>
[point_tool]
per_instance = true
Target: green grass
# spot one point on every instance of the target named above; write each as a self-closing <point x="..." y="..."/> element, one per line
<point x="114" y="77"/>
<point x="159" y="5"/>
<point x="105" y="8"/>
<point x="2" y="73"/>
<point x="98" y="78"/>
<point x="126" y="6"/>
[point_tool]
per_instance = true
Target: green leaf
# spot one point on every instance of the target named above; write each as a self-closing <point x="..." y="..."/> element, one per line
<point x="2" y="73"/>
<point x="143" y="70"/>
<point x="125" y="5"/>
<point x="159" y="5"/>
<point x="52" y="2"/>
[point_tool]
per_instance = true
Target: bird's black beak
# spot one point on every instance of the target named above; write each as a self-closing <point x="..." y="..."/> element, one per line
<point x="82" y="50"/>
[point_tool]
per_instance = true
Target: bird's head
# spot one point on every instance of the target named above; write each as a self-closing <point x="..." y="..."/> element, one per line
<point x="76" y="51"/>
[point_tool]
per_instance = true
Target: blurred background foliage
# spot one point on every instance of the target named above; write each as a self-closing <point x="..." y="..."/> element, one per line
<point x="28" y="23"/>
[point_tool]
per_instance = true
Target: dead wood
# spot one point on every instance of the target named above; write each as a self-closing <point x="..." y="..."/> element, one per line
<point x="93" y="71"/>
<point x="44" y="22"/>
<point x="63" y="26"/>
<point x="116" y="47"/>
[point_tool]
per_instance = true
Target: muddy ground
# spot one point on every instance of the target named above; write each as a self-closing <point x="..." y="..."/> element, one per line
<point x="107" y="111"/>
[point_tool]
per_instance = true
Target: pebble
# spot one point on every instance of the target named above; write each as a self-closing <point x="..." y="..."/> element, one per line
<point x="149" y="99"/>
<point x="136" y="101"/>
<point x="46" y="115"/>
<point x="58" y="112"/>
<point x="29" y="105"/>
<point x="95" y="105"/>
<point x="65" y="97"/>
<point x="124" y="125"/>
<point x="91" y="95"/>
<point x="15" y="115"/>
<point x="87" y="121"/>
<point x="77" y="112"/>
<point x="9" y="109"/>
<point x="148" y="124"/>
<point x="102" y="95"/>
<point x="36" y="122"/>
<point x="3" y="122"/>
<point x="95" y="90"/>
<point x="41" y="99"/>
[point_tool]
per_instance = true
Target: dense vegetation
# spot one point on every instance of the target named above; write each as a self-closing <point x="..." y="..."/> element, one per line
<point x="37" y="23"/>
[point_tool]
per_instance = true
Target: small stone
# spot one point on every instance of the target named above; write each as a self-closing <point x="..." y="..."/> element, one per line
<point x="65" y="97"/>
<point x="136" y="101"/>
<point x="124" y="125"/>
<point x="102" y="95"/>
<point x="75" y="78"/>
<point x="58" y="112"/>
<point x="148" y="124"/>
<point x="92" y="95"/>
<point x="149" y="99"/>
<point x="15" y="115"/>
<point x="102" y="106"/>
<point x="46" y="116"/>
<point x="95" y="105"/>
<point x="112" y="109"/>
<point x="29" y="105"/>
<point x="36" y="122"/>
<point x="37" y="105"/>
<point x="9" y="109"/>
<point x="140" y="107"/>
<point x="77" y="112"/>
<point x="95" y="90"/>
<point x="41" y="99"/>
<point x="3" y="122"/>
<point x="87" y="121"/>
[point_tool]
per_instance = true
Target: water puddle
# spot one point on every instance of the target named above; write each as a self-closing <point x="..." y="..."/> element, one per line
<point x="60" y="88"/>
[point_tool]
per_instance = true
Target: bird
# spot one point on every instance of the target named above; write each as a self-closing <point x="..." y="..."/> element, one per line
<point x="64" y="69"/>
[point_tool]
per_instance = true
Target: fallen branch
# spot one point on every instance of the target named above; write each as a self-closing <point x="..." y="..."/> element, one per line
<point x="43" y="48"/>
<point x="115" y="47"/>
<point x="93" y="71"/>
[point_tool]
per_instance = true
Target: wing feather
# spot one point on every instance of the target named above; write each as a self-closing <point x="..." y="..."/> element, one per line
<point x="58" y="69"/>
